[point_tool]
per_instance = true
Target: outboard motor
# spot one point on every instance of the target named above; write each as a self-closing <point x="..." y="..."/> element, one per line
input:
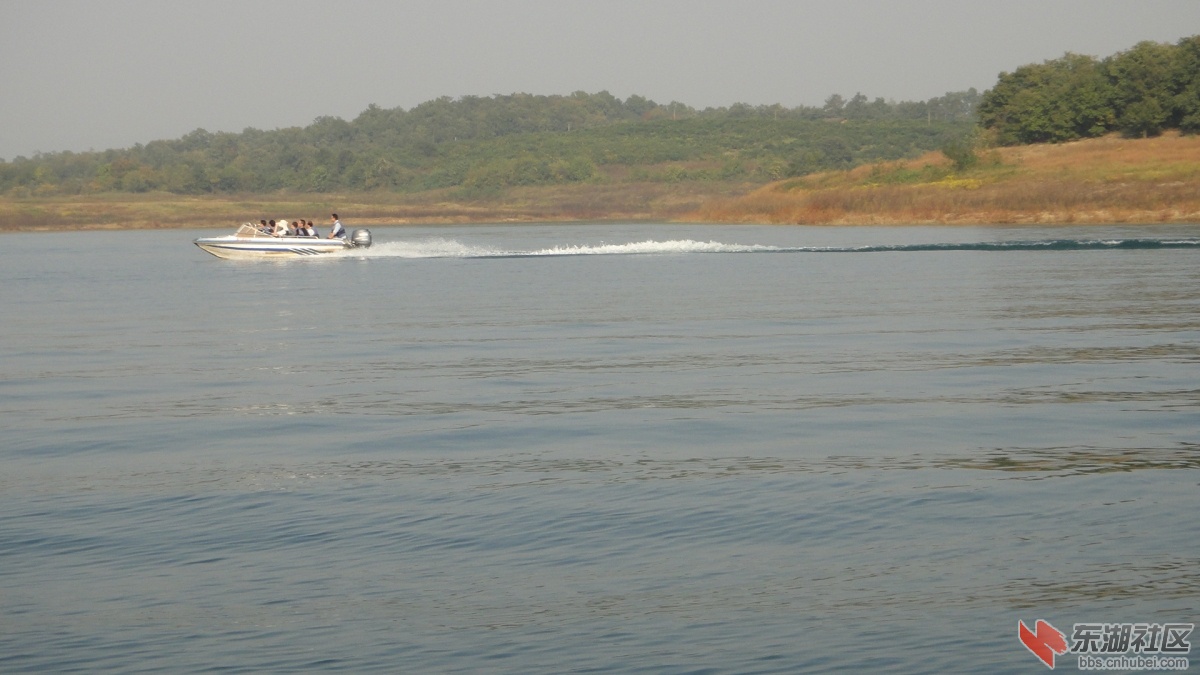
<point x="361" y="238"/>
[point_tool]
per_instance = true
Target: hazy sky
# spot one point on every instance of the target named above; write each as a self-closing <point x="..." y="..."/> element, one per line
<point x="97" y="74"/>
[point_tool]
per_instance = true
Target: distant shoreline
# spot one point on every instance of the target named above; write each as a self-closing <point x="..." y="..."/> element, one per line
<point x="640" y="202"/>
<point x="1098" y="181"/>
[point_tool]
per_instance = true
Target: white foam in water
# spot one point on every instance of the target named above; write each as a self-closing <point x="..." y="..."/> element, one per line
<point x="449" y="248"/>
<point x="650" y="246"/>
<point x="427" y="248"/>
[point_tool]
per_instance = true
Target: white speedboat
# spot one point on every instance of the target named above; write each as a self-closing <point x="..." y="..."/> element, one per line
<point x="249" y="242"/>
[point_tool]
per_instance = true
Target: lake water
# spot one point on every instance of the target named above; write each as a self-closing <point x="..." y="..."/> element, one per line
<point x="596" y="448"/>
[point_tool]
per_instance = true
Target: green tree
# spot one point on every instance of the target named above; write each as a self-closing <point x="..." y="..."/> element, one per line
<point x="1185" y="76"/>
<point x="1141" y="86"/>
<point x="962" y="153"/>
<point x="1060" y="100"/>
<point x="833" y="105"/>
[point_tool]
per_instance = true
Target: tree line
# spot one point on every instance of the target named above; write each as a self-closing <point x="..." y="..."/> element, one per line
<point x="492" y="143"/>
<point x="477" y="143"/>
<point x="1140" y="92"/>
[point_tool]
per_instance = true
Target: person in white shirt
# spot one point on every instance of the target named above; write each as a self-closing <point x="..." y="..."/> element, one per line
<point x="336" y="230"/>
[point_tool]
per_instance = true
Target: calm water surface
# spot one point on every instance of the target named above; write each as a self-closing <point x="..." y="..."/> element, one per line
<point x="595" y="448"/>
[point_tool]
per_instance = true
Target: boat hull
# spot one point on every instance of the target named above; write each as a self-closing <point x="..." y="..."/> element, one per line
<point x="234" y="247"/>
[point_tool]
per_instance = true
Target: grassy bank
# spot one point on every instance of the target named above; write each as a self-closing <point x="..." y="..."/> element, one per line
<point x="1106" y="180"/>
<point x="651" y="201"/>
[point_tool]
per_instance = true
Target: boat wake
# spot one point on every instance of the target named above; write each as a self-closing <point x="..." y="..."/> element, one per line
<point x="1029" y="245"/>
<point x="449" y="248"/>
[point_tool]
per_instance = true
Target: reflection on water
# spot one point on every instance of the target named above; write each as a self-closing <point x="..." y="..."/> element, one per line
<point x="530" y="469"/>
<point x="1176" y="582"/>
<point x="1056" y="462"/>
<point x="607" y="556"/>
<point x="608" y="448"/>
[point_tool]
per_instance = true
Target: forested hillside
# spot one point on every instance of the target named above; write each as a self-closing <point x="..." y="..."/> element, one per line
<point x="1140" y="92"/>
<point x="480" y="145"/>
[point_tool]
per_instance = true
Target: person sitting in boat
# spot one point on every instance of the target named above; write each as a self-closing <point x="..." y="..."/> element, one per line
<point x="336" y="230"/>
<point x="309" y="230"/>
<point x="281" y="229"/>
<point x="263" y="227"/>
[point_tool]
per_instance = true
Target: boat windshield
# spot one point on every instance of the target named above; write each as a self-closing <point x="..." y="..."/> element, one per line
<point x="250" y="230"/>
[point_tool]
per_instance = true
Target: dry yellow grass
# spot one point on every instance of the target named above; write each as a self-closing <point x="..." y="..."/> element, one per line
<point x="1105" y="180"/>
<point x="604" y="201"/>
